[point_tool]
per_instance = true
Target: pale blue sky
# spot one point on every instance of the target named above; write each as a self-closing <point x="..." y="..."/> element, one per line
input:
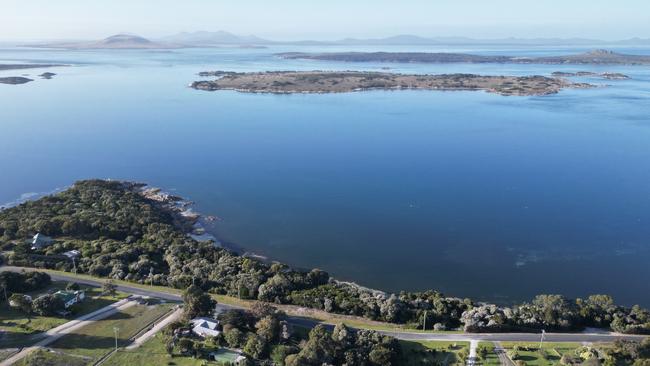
<point x="326" y="19"/>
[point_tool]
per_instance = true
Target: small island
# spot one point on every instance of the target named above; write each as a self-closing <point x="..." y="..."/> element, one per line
<point x="47" y="75"/>
<point x="604" y="75"/>
<point x="15" y="80"/>
<point x="289" y="82"/>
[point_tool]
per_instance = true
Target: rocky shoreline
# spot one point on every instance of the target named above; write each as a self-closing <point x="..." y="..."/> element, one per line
<point x="291" y="82"/>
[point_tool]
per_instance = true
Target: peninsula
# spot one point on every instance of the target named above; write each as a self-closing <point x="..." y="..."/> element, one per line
<point x="595" y="57"/>
<point x="289" y="82"/>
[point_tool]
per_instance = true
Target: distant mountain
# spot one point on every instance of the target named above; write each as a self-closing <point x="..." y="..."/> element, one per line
<point x="203" y="38"/>
<point x="118" y="41"/>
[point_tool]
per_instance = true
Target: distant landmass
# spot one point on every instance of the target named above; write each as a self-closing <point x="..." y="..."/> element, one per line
<point x="223" y="38"/>
<point x="203" y="38"/>
<point x="118" y="41"/>
<point x="595" y="57"/>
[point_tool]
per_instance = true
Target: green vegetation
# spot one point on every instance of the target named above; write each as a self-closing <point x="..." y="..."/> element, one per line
<point x="487" y="355"/>
<point x="126" y="234"/>
<point x="22" y="328"/>
<point x="620" y="353"/>
<point x="152" y="353"/>
<point x="433" y="353"/>
<point x="98" y="338"/>
<point x="51" y="358"/>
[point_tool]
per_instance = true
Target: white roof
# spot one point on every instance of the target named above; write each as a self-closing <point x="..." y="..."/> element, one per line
<point x="205" y="326"/>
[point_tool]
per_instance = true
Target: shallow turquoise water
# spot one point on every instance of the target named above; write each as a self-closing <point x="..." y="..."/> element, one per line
<point x="471" y="193"/>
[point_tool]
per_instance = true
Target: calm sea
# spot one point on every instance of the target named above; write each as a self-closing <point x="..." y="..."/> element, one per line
<point x="474" y="194"/>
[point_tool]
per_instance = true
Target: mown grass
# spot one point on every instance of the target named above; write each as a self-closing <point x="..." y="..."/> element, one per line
<point x="152" y="353"/>
<point x="491" y="359"/>
<point x="551" y="355"/>
<point x="444" y="353"/>
<point x="98" y="338"/>
<point x="22" y="330"/>
<point x="44" y="357"/>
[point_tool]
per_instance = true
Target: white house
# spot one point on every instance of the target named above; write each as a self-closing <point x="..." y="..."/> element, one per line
<point x="205" y="327"/>
<point x="41" y="241"/>
<point x="72" y="254"/>
<point x="70" y="297"/>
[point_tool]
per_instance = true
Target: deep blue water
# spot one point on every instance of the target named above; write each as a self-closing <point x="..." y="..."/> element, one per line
<point x="474" y="194"/>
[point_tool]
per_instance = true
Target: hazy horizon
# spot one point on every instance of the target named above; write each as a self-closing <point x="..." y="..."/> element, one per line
<point x="291" y="20"/>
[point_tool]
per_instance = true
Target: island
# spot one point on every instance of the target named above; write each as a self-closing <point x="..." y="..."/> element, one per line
<point x="47" y="75"/>
<point x="595" y="57"/>
<point x="288" y="82"/>
<point x="4" y="67"/>
<point x="15" y="80"/>
<point x="604" y="75"/>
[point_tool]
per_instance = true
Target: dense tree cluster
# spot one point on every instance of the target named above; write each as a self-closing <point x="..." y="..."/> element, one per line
<point x="13" y="282"/>
<point x="266" y="338"/>
<point x="123" y="234"/>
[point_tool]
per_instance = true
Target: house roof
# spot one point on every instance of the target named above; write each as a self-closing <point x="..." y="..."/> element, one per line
<point x="66" y="295"/>
<point x="206" y="323"/>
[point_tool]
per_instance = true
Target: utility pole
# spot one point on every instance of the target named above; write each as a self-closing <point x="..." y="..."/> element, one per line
<point x="74" y="266"/>
<point x="151" y="275"/>
<point x="5" y="288"/>
<point x="116" y="329"/>
<point x="542" y="339"/>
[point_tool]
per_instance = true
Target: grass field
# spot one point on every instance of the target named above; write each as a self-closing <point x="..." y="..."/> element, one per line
<point x="432" y="353"/>
<point x="97" y="339"/>
<point x="491" y="359"/>
<point x="21" y="329"/>
<point x="533" y="357"/>
<point x="152" y="353"/>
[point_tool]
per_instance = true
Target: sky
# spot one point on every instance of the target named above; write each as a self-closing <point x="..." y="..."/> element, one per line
<point x="326" y="19"/>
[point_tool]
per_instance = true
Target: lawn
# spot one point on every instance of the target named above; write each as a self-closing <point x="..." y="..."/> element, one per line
<point x="152" y="353"/>
<point x="491" y="359"/>
<point x="98" y="338"/>
<point x="532" y="356"/>
<point x="432" y="353"/>
<point x="21" y="330"/>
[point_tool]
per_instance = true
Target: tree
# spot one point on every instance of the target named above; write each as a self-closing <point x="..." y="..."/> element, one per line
<point x="255" y="346"/>
<point x="198" y="303"/>
<point x="380" y="355"/>
<point x="186" y="346"/>
<point x="234" y="337"/>
<point x="109" y="288"/>
<point x="21" y="302"/>
<point x="72" y="286"/>
<point x="48" y="305"/>
<point x="169" y="345"/>
<point x="268" y="328"/>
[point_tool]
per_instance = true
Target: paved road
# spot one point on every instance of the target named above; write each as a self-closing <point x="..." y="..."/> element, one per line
<point x="405" y="335"/>
<point x="69" y="327"/>
<point x="471" y="358"/>
<point x="501" y="353"/>
<point x="156" y="328"/>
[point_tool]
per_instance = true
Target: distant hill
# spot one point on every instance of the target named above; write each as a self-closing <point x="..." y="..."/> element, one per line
<point x="203" y="38"/>
<point x="118" y="41"/>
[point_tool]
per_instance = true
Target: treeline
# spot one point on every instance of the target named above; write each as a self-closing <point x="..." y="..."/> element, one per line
<point x="123" y="235"/>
